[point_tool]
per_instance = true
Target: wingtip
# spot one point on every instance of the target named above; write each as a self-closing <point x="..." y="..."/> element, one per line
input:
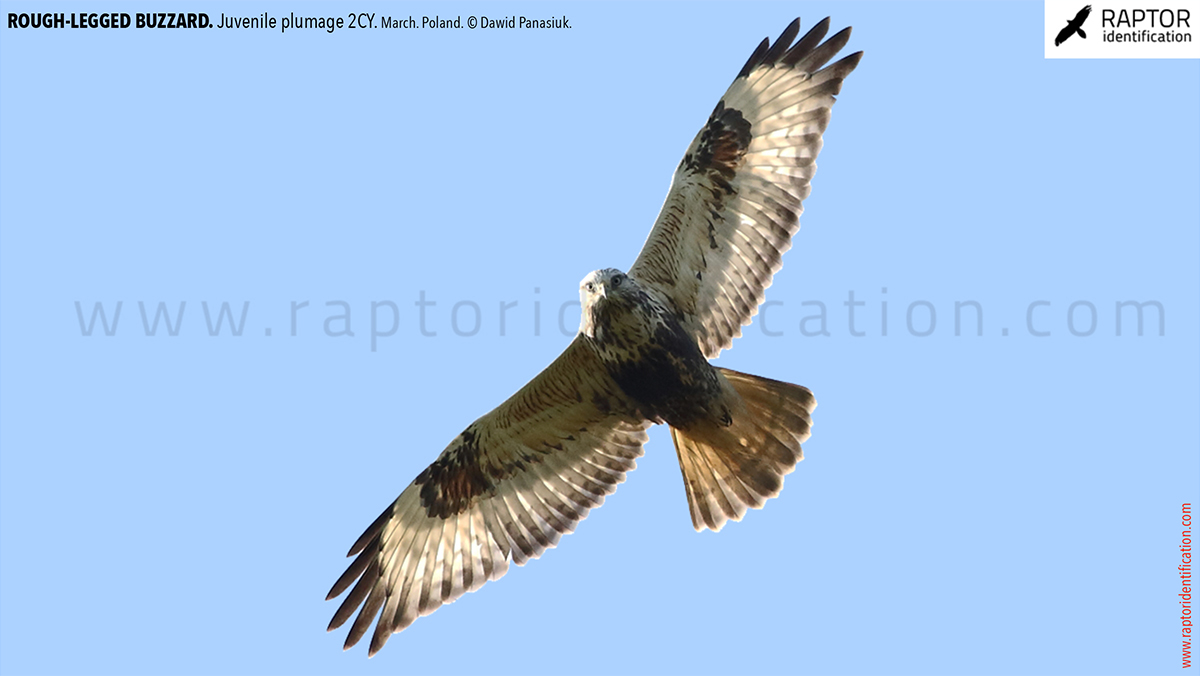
<point x="789" y="34"/>
<point x="378" y="640"/>
<point x="806" y="44"/>
<point x="782" y="43"/>
<point x="792" y="30"/>
<point x="755" y="58"/>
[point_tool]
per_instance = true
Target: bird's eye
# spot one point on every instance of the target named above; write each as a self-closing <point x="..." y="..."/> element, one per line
<point x="617" y="281"/>
<point x="589" y="286"/>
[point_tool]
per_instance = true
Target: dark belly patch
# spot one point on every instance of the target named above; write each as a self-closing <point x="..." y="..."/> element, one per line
<point x="668" y="377"/>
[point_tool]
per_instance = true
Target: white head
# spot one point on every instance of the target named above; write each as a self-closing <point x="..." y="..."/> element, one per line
<point x="599" y="291"/>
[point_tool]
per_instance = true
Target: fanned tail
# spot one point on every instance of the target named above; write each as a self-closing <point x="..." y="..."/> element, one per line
<point x="729" y="469"/>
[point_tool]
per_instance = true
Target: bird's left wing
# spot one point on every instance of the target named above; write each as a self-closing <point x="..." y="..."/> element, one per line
<point x="734" y="202"/>
<point x="1063" y="34"/>
<point x="505" y="489"/>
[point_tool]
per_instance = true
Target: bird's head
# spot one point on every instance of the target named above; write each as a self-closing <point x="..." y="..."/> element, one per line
<point x="601" y="292"/>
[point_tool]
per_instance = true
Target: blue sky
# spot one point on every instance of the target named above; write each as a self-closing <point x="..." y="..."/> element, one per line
<point x="996" y="503"/>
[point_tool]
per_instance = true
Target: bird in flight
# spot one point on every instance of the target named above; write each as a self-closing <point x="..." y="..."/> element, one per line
<point x="1074" y="26"/>
<point x="517" y="479"/>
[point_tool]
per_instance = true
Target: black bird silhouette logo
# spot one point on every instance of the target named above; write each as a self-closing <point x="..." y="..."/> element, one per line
<point x="1074" y="26"/>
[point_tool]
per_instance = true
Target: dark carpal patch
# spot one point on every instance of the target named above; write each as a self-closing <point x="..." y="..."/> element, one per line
<point x="718" y="154"/>
<point x="723" y="143"/>
<point x="451" y="484"/>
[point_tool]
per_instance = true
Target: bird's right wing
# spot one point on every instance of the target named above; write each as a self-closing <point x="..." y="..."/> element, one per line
<point x="505" y="489"/>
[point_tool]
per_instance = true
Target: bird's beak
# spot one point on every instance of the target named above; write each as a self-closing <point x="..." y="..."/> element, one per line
<point x="603" y="291"/>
